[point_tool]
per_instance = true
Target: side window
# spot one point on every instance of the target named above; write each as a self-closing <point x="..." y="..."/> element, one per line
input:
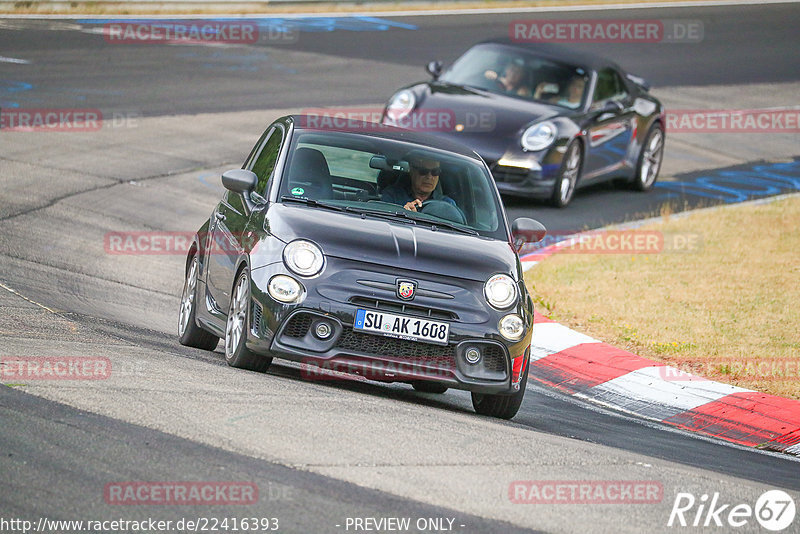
<point x="265" y="162"/>
<point x="609" y="86"/>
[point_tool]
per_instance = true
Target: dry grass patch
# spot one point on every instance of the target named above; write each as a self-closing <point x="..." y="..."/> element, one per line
<point x="729" y="311"/>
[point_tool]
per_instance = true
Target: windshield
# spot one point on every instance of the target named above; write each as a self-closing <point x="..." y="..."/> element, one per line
<point x="379" y="177"/>
<point x="520" y="74"/>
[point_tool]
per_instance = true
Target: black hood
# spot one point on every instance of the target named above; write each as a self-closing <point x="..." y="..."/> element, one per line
<point x="491" y="121"/>
<point x="385" y="242"/>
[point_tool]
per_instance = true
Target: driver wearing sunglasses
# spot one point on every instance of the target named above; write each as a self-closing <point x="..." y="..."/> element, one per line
<point x="424" y="179"/>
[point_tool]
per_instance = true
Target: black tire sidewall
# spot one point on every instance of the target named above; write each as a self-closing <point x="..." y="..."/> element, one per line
<point x="555" y="200"/>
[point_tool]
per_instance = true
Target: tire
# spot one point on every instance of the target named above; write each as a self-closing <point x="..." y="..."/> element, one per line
<point x="428" y="386"/>
<point x="650" y="158"/>
<point x="189" y="333"/>
<point x="568" y="176"/>
<point x="500" y="406"/>
<point x="236" y="352"/>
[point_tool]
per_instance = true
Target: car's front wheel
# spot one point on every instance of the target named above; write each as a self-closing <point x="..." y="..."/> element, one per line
<point x="236" y="352"/>
<point x="189" y="333"/>
<point x="500" y="406"/>
<point x="568" y="175"/>
<point x="650" y="157"/>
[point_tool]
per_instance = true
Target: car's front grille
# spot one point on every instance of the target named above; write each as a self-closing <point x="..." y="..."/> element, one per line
<point x="493" y="358"/>
<point x="509" y="174"/>
<point x="298" y="325"/>
<point x="402" y="349"/>
<point x="402" y="307"/>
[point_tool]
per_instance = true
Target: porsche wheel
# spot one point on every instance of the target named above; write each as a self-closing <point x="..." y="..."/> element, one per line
<point x="568" y="176"/>
<point x="649" y="163"/>
<point x="500" y="406"/>
<point x="189" y="333"/>
<point x="236" y="352"/>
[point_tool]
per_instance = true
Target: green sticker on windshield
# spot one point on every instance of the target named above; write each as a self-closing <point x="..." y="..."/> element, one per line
<point x="298" y="191"/>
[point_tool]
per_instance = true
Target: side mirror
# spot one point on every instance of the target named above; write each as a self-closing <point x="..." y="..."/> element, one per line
<point x="434" y="68"/>
<point x="239" y="180"/>
<point x="610" y="106"/>
<point x="525" y="230"/>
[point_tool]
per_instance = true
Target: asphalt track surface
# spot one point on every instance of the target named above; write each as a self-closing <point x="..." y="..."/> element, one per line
<point x="56" y="456"/>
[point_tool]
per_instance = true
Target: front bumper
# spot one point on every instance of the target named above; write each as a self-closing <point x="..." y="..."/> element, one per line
<point x="525" y="176"/>
<point x="289" y="331"/>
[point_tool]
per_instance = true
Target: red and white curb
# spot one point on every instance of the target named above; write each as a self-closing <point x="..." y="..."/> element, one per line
<point x="600" y="373"/>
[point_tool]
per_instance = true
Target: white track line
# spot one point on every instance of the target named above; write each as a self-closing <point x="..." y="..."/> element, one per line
<point x="4" y="59"/>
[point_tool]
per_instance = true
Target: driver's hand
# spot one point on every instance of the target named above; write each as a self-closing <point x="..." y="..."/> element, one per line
<point x="412" y="206"/>
<point x="490" y="75"/>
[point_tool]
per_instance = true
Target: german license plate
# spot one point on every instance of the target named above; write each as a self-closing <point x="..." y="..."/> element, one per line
<point x="401" y="327"/>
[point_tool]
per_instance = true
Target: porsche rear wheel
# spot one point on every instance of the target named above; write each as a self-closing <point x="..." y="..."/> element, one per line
<point x="189" y="333"/>
<point x="236" y="352"/>
<point x="568" y="175"/>
<point x="500" y="406"/>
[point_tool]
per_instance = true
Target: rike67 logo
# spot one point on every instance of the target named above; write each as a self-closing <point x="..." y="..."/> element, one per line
<point x="774" y="510"/>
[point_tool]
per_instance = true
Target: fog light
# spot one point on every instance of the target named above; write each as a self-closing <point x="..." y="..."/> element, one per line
<point x="472" y="355"/>
<point x="511" y="327"/>
<point x="323" y="330"/>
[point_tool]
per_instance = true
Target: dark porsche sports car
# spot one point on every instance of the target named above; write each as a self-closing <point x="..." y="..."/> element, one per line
<point x="545" y="119"/>
<point x="313" y="254"/>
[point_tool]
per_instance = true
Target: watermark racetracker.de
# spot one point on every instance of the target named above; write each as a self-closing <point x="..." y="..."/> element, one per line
<point x="619" y="242"/>
<point x="586" y="492"/>
<point x="775" y="120"/>
<point x="70" y="120"/>
<point x="774" y="369"/>
<point x="606" y="31"/>
<point x="180" y="493"/>
<point x="420" y="120"/>
<point x="197" y="31"/>
<point x="54" y="368"/>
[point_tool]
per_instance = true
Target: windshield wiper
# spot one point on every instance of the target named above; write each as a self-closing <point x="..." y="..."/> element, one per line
<point x="401" y="213"/>
<point x="313" y="203"/>
<point x="410" y="217"/>
<point x="452" y="226"/>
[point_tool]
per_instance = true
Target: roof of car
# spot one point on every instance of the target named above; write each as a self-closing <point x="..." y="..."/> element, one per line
<point x="370" y="129"/>
<point x="558" y="53"/>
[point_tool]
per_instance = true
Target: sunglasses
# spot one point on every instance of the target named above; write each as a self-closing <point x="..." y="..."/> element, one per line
<point x="423" y="171"/>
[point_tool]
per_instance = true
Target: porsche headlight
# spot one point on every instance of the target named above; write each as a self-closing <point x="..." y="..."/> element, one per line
<point x="539" y="136"/>
<point x="512" y="327"/>
<point x="400" y="105"/>
<point x="500" y="291"/>
<point x="303" y="257"/>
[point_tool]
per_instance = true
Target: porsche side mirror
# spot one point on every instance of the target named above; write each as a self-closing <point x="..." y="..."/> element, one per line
<point x="525" y="230"/>
<point x="610" y="106"/>
<point x="434" y="68"/>
<point x="239" y="180"/>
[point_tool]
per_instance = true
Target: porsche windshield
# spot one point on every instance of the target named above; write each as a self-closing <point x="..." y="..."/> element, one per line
<point x="519" y="74"/>
<point x="380" y="177"/>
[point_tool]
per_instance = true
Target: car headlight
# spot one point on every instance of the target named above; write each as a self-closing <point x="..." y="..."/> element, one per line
<point x="303" y="257"/>
<point x="400" y="105"/>
<point x="500" y="291"/>
<point x="511" y="327"/>
<point x="284" y="288"/>
<point x="539" y="136"/>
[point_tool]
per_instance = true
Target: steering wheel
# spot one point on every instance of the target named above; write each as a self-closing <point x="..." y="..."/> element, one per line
<point x="443" y="210"/>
